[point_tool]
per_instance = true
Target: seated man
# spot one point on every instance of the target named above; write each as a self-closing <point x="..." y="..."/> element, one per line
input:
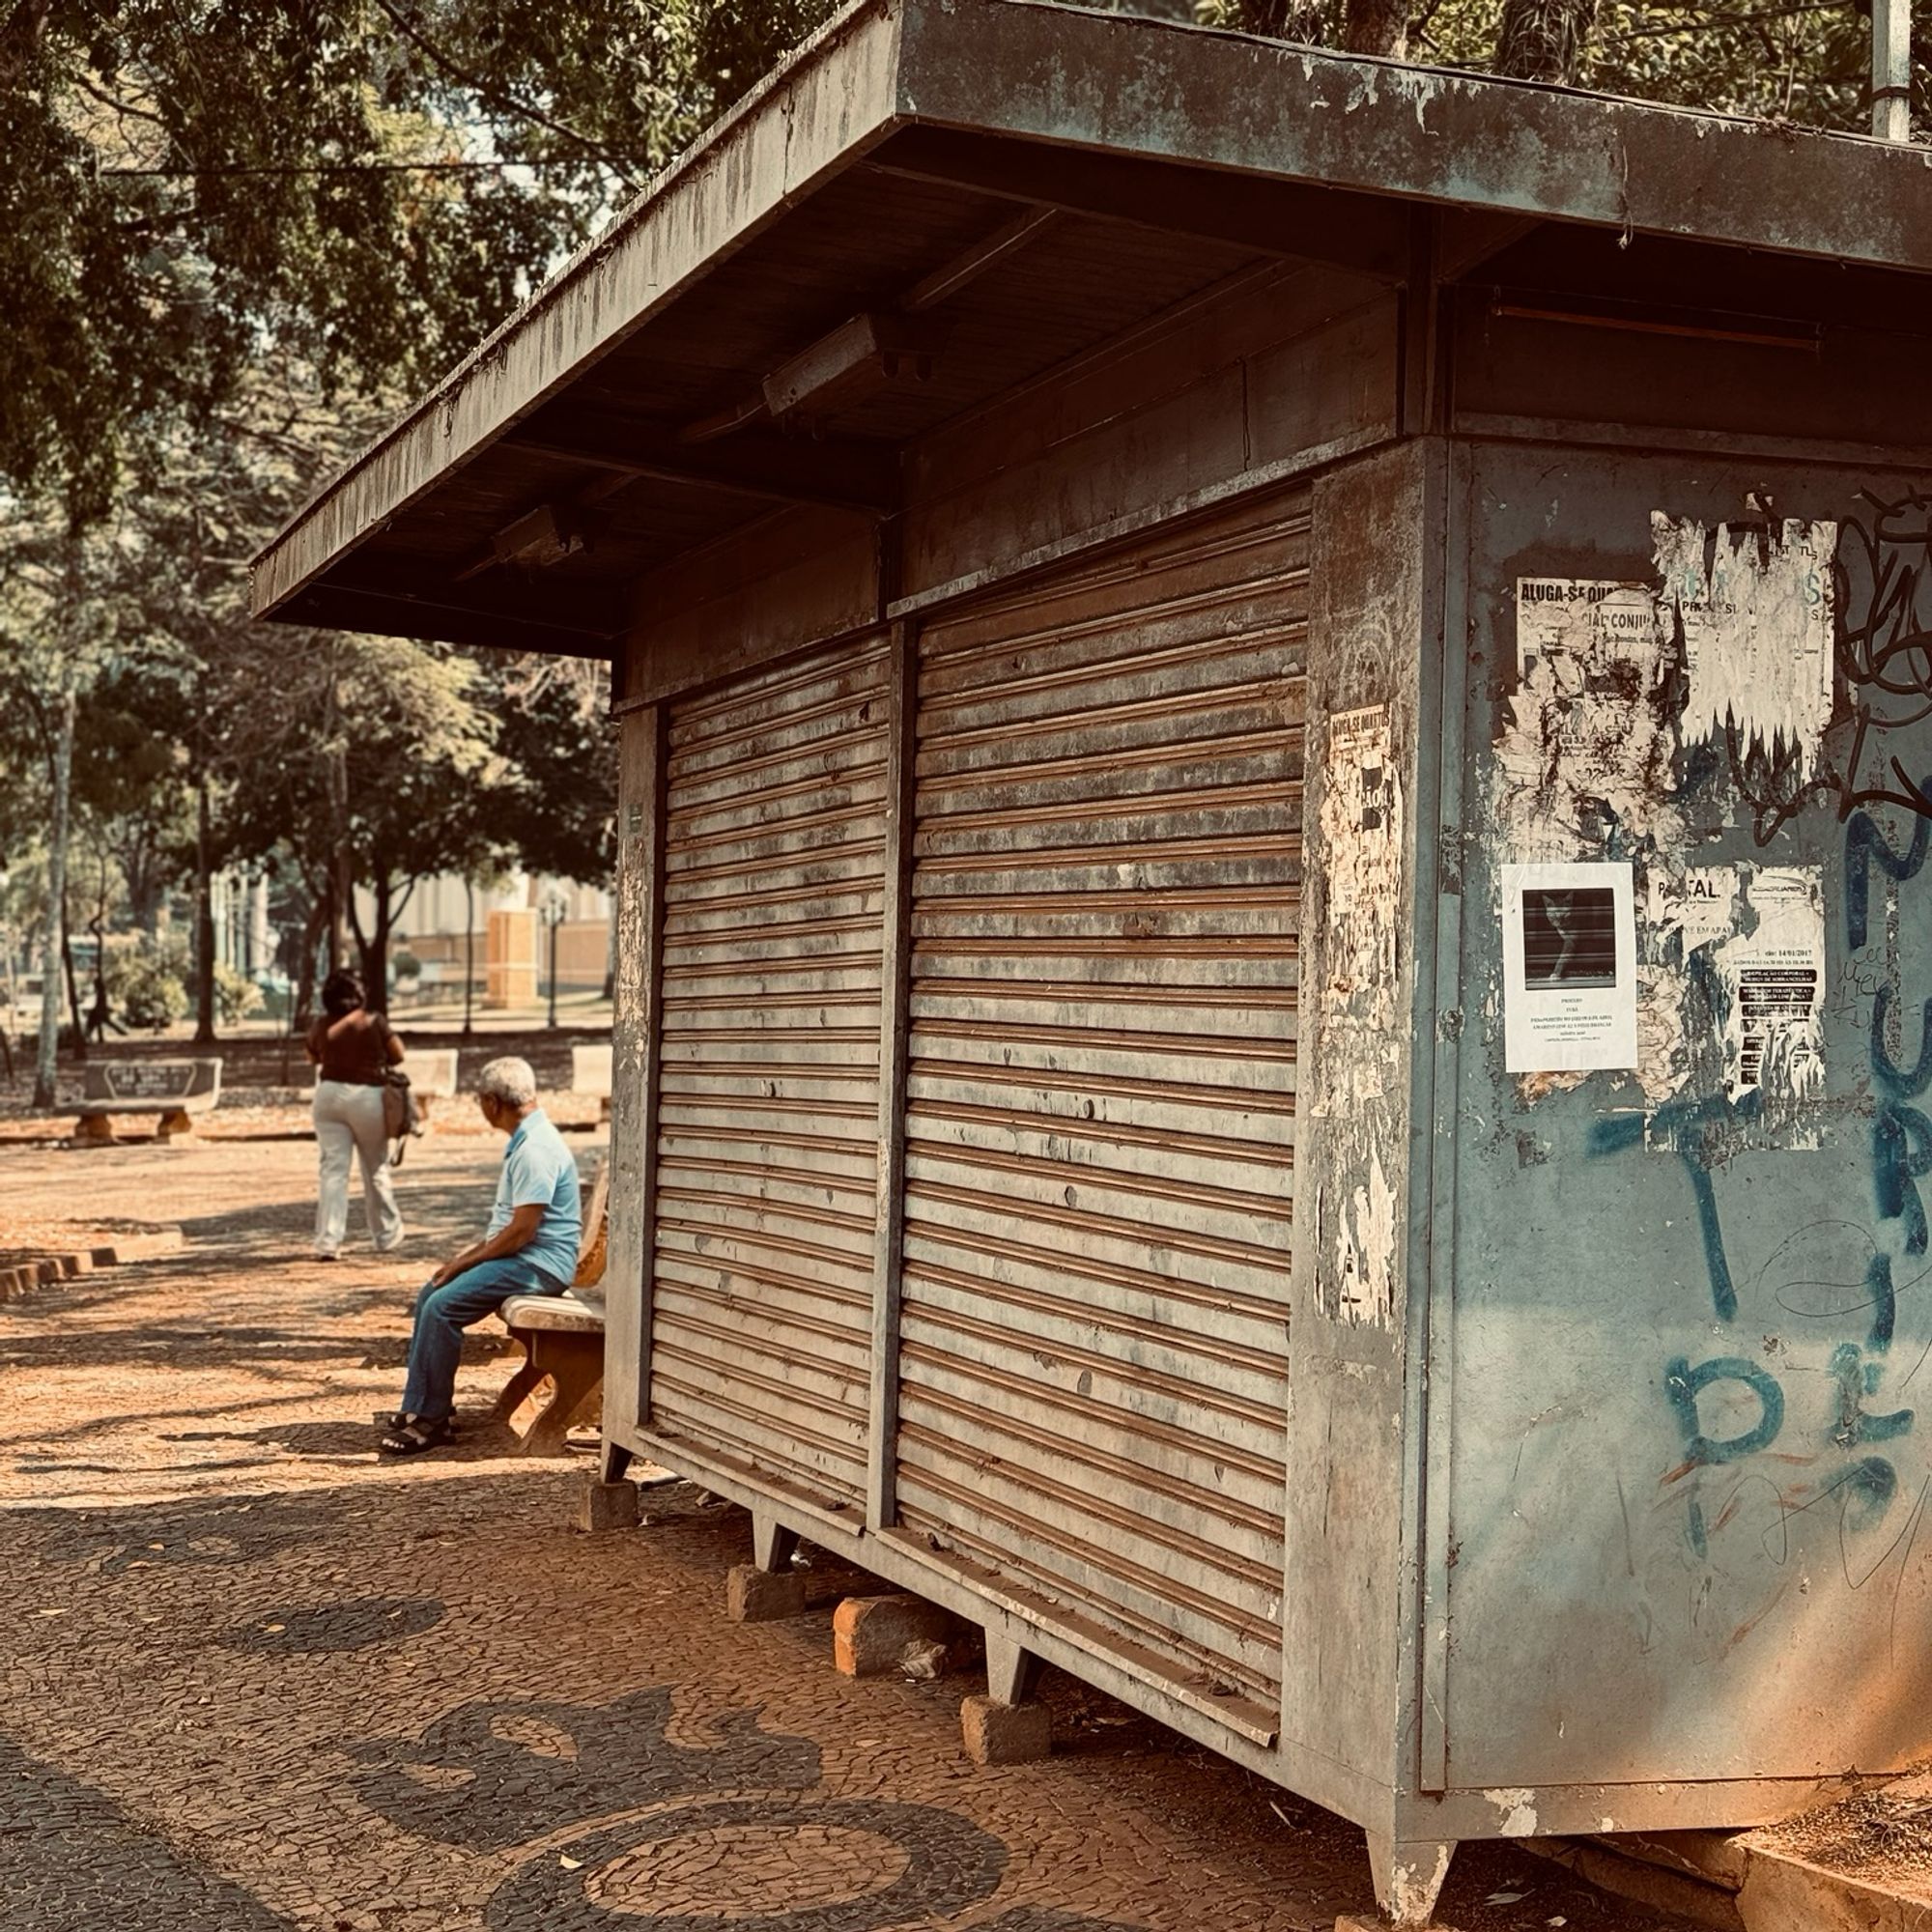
<point x="531" y="1248"/>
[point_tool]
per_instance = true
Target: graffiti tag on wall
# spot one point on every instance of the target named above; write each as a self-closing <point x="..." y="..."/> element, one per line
<point x="1784" y="661"/>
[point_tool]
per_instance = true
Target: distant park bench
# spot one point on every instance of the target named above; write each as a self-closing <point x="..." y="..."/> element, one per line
<point x="591" y="1073"/>
<point x="177" y="1090"/>
<point x="562" y="1337"/>
<point x="432" y="1072"/>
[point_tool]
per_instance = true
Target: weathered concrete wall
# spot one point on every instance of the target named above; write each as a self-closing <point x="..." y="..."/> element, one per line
<point x="1356" y="1317"/>
<point x="1686" y="1535"/>
<point x="633" y="1039"/>
<point x="783" y="582"/>
<point x="1242" y="388"/>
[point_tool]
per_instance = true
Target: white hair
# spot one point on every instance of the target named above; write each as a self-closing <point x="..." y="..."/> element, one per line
<point x="510" y="1080"/>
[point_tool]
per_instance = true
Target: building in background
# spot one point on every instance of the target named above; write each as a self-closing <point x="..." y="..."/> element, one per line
<point x="497" y="933"/>
<point x="245" y="937"/>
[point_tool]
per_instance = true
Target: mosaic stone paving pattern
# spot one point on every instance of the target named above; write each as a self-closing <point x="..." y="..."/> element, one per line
<point x="253" y="1680"/>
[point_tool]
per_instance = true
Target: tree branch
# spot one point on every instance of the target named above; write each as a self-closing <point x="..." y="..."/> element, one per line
<point x="411" y="32"/>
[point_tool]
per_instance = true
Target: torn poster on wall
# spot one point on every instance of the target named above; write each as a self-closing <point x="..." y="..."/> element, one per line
<point x="1361" y="842"/>
<point x="1754" y="610"/>
<point x="1586" y="748"/>
<point x="1761" y="932"/>
<point x="1569" y="967"/>
<point x="1364" y="1250"/>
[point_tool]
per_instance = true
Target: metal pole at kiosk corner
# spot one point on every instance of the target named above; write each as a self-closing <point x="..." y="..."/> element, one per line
<point x="1892" y="70"/>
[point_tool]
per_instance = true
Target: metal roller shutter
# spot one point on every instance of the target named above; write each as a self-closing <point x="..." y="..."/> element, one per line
<point x="1100" y="1122"/>
<point x="762" y="1256"/>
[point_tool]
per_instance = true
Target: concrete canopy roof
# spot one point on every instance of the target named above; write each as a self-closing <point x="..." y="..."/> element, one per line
<point x="1007" y="183"/>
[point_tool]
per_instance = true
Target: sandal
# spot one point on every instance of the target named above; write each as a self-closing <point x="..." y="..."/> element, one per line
<point x="412" y="1439"/>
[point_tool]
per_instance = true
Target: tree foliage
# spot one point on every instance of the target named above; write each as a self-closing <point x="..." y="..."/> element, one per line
<point x="367" y="186"/>
<point x="235" y="232"/>
<point x="1803" y="60"/>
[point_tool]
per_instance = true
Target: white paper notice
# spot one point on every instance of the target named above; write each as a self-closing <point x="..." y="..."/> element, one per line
<point x="1569" y="968"/>
<point x="1776" y="1029"/>
<point x="1578" y="624"/>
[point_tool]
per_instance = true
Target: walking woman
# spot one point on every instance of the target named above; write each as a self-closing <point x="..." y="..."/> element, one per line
<point x="353" y="1050"/>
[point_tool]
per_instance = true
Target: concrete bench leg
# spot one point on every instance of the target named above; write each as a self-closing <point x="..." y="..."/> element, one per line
<point x="94" y="1130"/>
<point x="520" y="1384"/>
<point x="177" y="1125"/>
<point x="575" y="1366"/>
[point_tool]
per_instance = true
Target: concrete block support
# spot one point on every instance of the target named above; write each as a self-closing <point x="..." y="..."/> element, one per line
<point x="607" y="1506"/>
<point x="996" y="1733"/>
<point x="755" y="1596"/>
<point x="870" y="1635"/>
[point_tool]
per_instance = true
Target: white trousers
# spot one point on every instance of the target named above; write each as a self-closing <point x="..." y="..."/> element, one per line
<point x="348" y="1122"/>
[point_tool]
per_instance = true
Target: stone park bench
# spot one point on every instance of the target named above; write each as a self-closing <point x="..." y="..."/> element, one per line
<point x="432" y="1072"/>
<point x="591" y="1073"/>
<point x="562" y="1338"/>
<point x="177" y="1090"/>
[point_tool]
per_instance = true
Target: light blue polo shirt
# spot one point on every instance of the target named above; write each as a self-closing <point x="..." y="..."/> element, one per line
<point x="539" y="1171"/>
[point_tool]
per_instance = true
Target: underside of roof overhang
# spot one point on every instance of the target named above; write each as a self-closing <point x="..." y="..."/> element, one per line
<point x="938" y="201"/>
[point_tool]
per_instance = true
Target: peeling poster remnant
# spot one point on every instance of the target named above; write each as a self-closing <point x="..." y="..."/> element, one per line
<point x="1569" y="968"/>
<point x="1361" y="831"/>
<point x="1751" y="995"/>
<point x="1361" y="841"/>
<point x="1585" y="756"/>
<point x="1365" y="1253"/>
<point x="1639" y="705"/>
<point x="1754" y="611"/>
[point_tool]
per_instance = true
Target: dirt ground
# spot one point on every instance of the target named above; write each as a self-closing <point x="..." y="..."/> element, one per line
<point x="256" y="1678"/>
<point x="1882" y="1837"/>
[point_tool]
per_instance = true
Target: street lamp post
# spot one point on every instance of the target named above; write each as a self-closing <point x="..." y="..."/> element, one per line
<point x="552" y="913"/>
<point x="469" y="950"/>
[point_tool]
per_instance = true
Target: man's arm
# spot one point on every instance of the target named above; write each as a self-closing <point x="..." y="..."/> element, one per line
<point x="512" y="1237"/>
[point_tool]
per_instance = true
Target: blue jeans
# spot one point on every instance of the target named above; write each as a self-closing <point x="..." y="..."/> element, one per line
<point x="443" y="1312"/>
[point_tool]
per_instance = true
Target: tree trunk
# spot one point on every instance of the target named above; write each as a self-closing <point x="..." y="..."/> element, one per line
<point x="1376" y="27"/>
<point x="46" y="1066"/>
<point x="98" y="925"/>
<point x="315" y="929"/>
<point x="302" y="991"/>
<point x="469" y="950"/>
<point x="374" y="948"/>
<point x="341" y="862"/>
<point x="611" y="948"/>
<point x="72" y="985"/>
<point x="203" y="923"/>
<point x="1544" y="40"/>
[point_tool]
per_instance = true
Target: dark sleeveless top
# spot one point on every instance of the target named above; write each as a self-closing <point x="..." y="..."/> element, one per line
<point x="353" y="1049"/>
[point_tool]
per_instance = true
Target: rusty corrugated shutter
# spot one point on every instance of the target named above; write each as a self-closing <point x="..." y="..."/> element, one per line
<point x="1100" y="1128"/>
<point x="762" y="1255"/>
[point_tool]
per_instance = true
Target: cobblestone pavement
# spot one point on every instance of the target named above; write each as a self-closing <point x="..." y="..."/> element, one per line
<point x="254" y="1679"/>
